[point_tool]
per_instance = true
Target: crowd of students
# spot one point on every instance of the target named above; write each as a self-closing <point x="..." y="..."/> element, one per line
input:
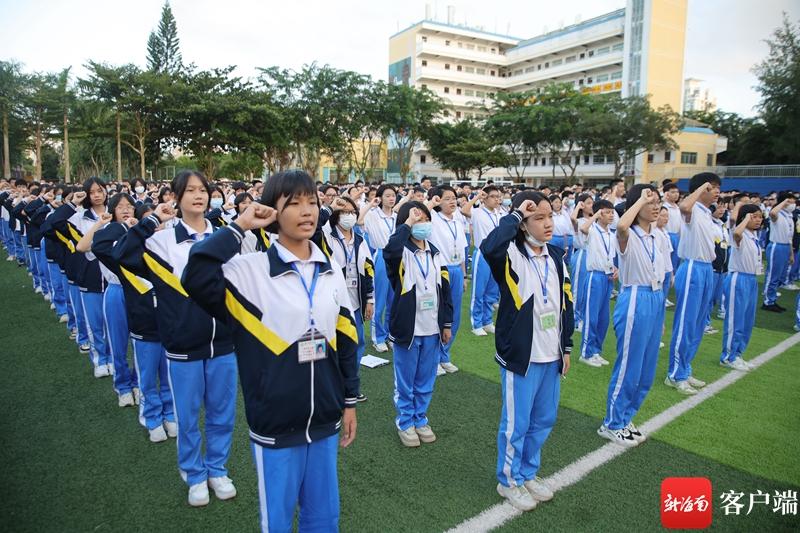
<point x="275" y="281"/>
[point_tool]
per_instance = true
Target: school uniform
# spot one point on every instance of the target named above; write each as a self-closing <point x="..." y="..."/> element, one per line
<point x="379" y="227"/>
<point x="779" y="248"/>
<point x="295" y="340"/>
<point x="793" y="270"/>
<point x="741" y="293"/>
<point x="563" y="233"/>
<point x="485" y="291"/>
<point x="422" y="309"/>
<point x="720" y="267"/>
<point x="638" y="322"/>
<point x="577" y="268"/>
<point x="199" y="350"/>
<point x="4" y="217"/>
<point x="533" y="337"/>
<point x="448" y="236"/>
<point x="57" y="247"/>
<point x="600" y="255"/>
<point x="673" y="228"/>
<point x="694" y="283"/>
<point x="664" y="243"/>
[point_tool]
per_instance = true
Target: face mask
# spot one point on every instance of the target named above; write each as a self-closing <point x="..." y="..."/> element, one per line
<point x="507" y="202"/>
<point x="421" y="230"/>
<point x="790" y="208"/>
<point x="216" y="203"/>
<point x="58" y="197"/>
<point x="139" y="189"/>
<point x="533" y="241"/>
<point x="569" y="202"/>
<point x="347" y="221"/>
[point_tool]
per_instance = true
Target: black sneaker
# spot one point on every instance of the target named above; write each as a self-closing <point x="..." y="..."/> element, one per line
<point x="780" y="307"/>
<point x="361" y="398"/>
<point x="772" y="307"/>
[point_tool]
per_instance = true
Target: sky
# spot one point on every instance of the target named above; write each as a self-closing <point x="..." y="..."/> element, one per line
<point x="724" y="38"/>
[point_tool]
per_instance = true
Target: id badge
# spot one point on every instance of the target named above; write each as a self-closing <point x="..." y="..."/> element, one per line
<point x="547" y="320"/>
<point x="311" y="347"/>
<point x="426" y="302"/>
<point x="759" y="268"/>
<point x="609" y="266"/>
<point x="654" y="285"/>
<point x="352" y="275"/>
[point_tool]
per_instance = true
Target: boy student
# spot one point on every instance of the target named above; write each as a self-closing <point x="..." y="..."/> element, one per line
<point x="779" y="249"/>
<point x="600" y="276"/>
<point x="694" y="280"/>
<point x="673" y="227"/>
<point x="484" y="289"/>
<point x="638" y="315"/>
<point x="533" y="342"/>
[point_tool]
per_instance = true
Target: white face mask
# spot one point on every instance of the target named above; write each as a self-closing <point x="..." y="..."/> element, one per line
<point x="139" y="189"/>
<point x="533" y="241"/>
<point x="347" y="221"/>
<point x="790" y="208"/>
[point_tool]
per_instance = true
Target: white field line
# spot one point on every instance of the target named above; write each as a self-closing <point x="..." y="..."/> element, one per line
<point x="499" y="514"/>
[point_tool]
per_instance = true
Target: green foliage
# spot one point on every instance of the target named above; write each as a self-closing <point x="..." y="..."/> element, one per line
<point x="163" y="47"/>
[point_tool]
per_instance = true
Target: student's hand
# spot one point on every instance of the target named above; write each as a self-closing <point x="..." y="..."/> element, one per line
<point x="369" y="311"/>
<point x="49" y="197"/>
<point x="434" y="202"/>
<point x="615" y="275"/>
<point x="256" y="216"/>
<point x="338" y="204"/>
<point x="414" y="216"/>
<point x="646" y="197"/>
<point x="227" y="206"/>
<point x="348" y="427"/>
<point x="580" y="206"/>
<point x="164" y="212"/>
<point x="527" y="208"/>
<point x="103" y="219"/>
<point x="131" y="222"/>
<point x="78" y="197"/>
<point x="482" y="195"/>
<point x="355" y="193"/>
<point x="374" y="202"/>
<point x="566" y="362"/>
<point x="446" y="335"/>
<point x="465" y="285"/>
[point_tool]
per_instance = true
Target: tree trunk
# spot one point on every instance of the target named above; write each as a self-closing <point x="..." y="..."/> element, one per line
<point x="119" y="151"/>
<point x="37" y="172"/>
<point x="142" y="157"/>
<point x="67" y="170"/>
<point x="6" y="155"/>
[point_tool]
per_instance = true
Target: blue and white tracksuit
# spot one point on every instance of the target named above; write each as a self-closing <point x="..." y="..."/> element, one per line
<point x="563" y="233"/>
<point x="378" y="227"/>
<point x="577" y="268"/>
<point x="638" y="322"/>
<point x="781" y="231"/>
<point x="449" y="237"/>
<point x="484" y="288"/>
<point x="673" y="228"/>
<point x="741" y="294"/>
<point x="693" y="290"/>
<point x="664" y="243"/>
<point x="600" y="254"/>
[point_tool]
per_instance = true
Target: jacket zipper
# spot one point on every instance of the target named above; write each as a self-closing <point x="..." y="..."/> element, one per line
<point x="213" y="334"/>
<point x="311" y="414"/>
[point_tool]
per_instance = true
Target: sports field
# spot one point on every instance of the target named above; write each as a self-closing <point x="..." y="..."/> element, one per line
<point x="74" y="461"/>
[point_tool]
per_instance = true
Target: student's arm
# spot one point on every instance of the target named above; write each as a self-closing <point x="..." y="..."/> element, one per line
<point x="85" y="243"/>
<point x="393" y="251"/>
<point x="494" y="247"/>
<point x="366" y="209"/>
<point x="739" y="231"/>
<point x="567" y="321"/>
<point x="466" y="209"/>
<point x="367" y="266"/>
<point x="103" y="245"/>
<point x="629" y="218"/>
<point x="446" y="306"/>
<point x="573" y="216"/>
<point x="587" y="225"/>
<point x="402" y="201"/>
<point x="776" y="209"/>
<point x="129" y="251"/>
<point x="347" y="353"/>
<point x="687" y="204"/>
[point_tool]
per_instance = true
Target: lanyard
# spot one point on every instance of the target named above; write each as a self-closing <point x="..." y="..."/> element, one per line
<point x="347" y="256"/>
<point x="309" y="291"/>
<point x="427" y="268"/>
<point x="650" y="253"/>
<point x="542" y="281"/>
<point x="389" y="226"/>
<point x="491" y="216"/>
<point x="453" y="231"/>
<point x="603" y="239"/>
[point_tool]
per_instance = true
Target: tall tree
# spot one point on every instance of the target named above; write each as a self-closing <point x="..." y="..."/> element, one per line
<point x="163" y="46"/>
<point x="64" y="98"/>
<point x="10" y="93"/>
<point x="41" y="111"/>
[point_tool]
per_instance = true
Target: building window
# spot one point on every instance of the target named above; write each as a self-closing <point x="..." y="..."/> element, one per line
<point x="424" y="86"/>
<point x="586" y="160"/>
<point x="591" y="53"/>
<point x="539" y="67"/>
<point x="469" y="70"/>
<point x="446" y="113"/>
<point x="447" y="66"/>
<point x="458" y="114"/>
<point x="480" y="94"/>
<point x="580" y="81"/>
<point x="598" y="159"/>
<point x="424" y="63"/>
<point x="491" y="73"/>
<point x="688" y="158"/>
<point x="458" y="68"/>
<point x="470" y="47"/>
<point x="469" y="92"/>
<point x="582" y="56"/>
<point x="447" y="90"/>
<point x="424" y="39"/>
<point x="518" y="72"/>
<point x="547" y="64"/>
<point x="460" y="44"/>
<point x="556" y="62"/>
<point x="709" y="160"/>
<point x="602" y="77"/>
<point x="588" y="80"/>
<point x="481" y="71"/>
<point x="544" y="161"/>
<point x="493" y="50"/>
<point x="618" y="47"/>
<point x="616" y="75"/>
<point x="447" y="43"/>
<point x="602" y="51"/>
<point x="458" y="90"/>
<point x="528" y="70"/>
<point x="650" y="158"/>
<point x="481" y="49"/>
<point x="422" y="159"/>
<point x="569" y="59"/>
<point x="667" y="156"/>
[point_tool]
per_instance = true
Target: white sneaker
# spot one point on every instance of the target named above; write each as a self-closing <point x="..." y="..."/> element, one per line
<point x="52" y="307"/>
<point x="681" y="386"/>
<point x="223" y="487"/>
<point x="600" y="359"/>
<point x="621" y="437"/>
<point x="709" y="330"/>
<point x="125" y="400"/>
<point x="495" y="307"/>
<point x="157" y="434"/>
<point x="667" y="303"/>
<point x="489" y="329"/>
<point x="696" y="383"/>
<point x="660" y="345"/>
<point x="440" y="371"/>
<point x="426" y="434"/>
<point x="790" y="287"/>
<point x="591" y="361"/>
<point x="101" y="371"/>
<point x="480" y="332"/>
<point x="538" y="490"/>
<point x="172" y="428"/>
<point x="198" y="494"/>
<point x="38" y="290"/>
<point x="381" y="347"/>
<point x="736" y="364"/>
<point x="137" y="395"/>
<point x="721" y="315"/>
<point x="614" y="293"/>
<point x="637" y="435"/>
<point x="73" y="334"/>
<point x="748" y="364"/>
<point x="47" y="297"/>
<point x="579" y="325"/>
<point x="450" y="368"/>
<point x="517" y="496"/>
<point x="84" y="348"/>
<point x="63" y="319"/>
<point x="10" y="258"/>
<point x="409" y="437"/>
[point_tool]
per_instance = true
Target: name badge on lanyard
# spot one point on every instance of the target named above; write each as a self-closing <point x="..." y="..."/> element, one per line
<point x="607" y="247"/>
<point x="312" y="346"/>
<point x="455" y="257"/>
<point x="651" y="254"/>
<point x="547" y="315"/>
<point x="427" y="298"/>
<point x="351" y="269"/>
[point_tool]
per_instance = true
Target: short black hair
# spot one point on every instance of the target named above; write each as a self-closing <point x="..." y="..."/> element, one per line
<point x="669" y="186"/>
<point x="490" y="189"/>
<point x="114" y="202"/>
<point x="635" y="192"/>
<point x="141" y="209"/>
<point x="180" y="182"/>
<point x="602" y="204"/>
<point x="785" y="195"/>
<point x="382" y="189"/>
<point x="334" y="219"/>
<point x="405" y="209"/>
<point x="704" y="177"/>
<point x="87" y="186"/>
<point x="289" y="183"/>
<point x="745" y="210"/>
<point x="241" y="197"/>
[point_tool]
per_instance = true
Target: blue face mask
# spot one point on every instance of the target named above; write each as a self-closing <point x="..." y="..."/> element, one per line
<point x="216" y="203"/>
<point x="507" y="202"/>
<point x="421" y="230"/>
<point x="58" y="197"/>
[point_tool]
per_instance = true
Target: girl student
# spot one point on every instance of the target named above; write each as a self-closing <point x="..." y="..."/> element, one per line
<point x="351" y="253"/>
<point x="73" y="220"/>
<point x="421" y="318"/>
<point x="740" y="287"/>
<point x="449" y="238"/>
<point x="563" y="231"/>
<point x="156" y="413"/>
<point x="533" y="342"/>
<point x="379" y="222"/>
<point x="577" y="266"/>
<point x="638" y="315"/>
<point x="201" y="363"/>
<point x="126" y="384"/>
<point x="664" y="242"/>
<point x="296" y="342"/>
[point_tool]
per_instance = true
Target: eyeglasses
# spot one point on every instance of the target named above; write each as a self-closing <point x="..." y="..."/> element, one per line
<point x="495" y="196"/>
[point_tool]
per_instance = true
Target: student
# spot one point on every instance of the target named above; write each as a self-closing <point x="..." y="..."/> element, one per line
<point x="600" y="276"/>
<point x="693" y="281"/>
<point x="577" y="267"/>
<point x="664" y="242"/>
<point x="421" y="319"/>
<point x="295" y="338"/>
<point x="720" y="264"/>
<point x="140" y="192"/>
<point x="779" y="249"/>
<point x="351" y="253"/>
<point x="741" y="288"/>
<point x="671" y="196"/>
<point x="449" y="238"/>
<point x="484" y="288"/>
<point x="533" y="342"/>
<point x="201" y="363"/>
<point x="126" y="384"/>
<point x="562" y="227"/>
<point x="379" y="223"/>
<point x="638" y="316"/>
